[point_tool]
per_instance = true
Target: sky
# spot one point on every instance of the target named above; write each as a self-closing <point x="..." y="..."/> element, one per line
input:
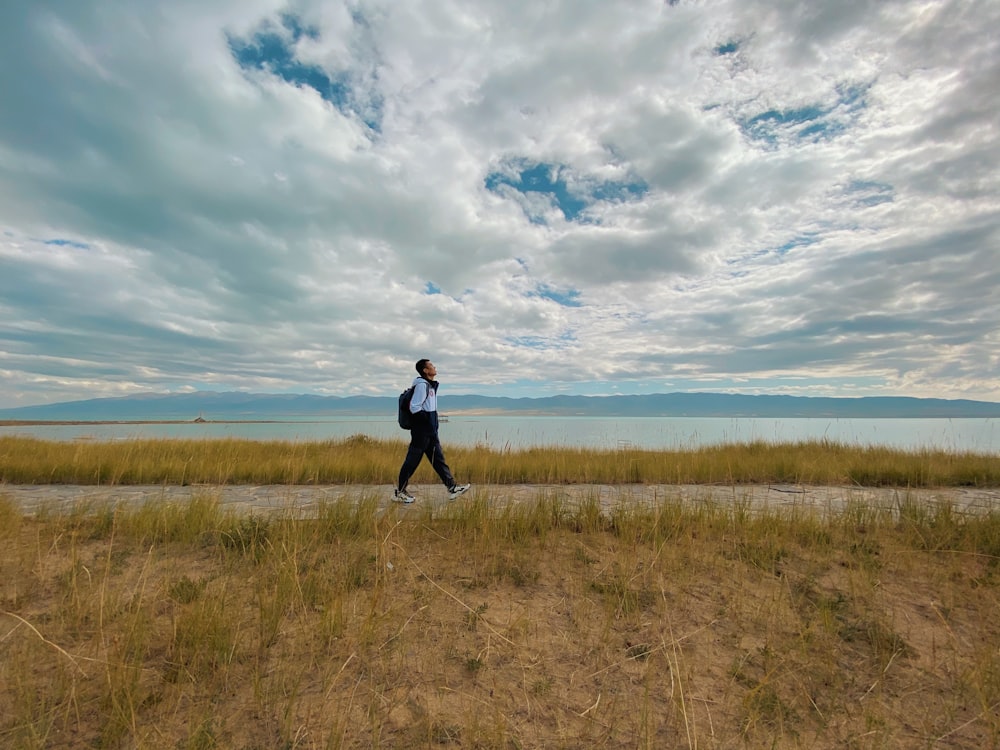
<point x="542" y="197"/>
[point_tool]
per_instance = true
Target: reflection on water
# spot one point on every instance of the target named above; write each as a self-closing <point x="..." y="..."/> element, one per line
<point x="508" y="432"/>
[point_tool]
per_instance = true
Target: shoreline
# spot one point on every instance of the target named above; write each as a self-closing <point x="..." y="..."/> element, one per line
<point x="85" y="422"/>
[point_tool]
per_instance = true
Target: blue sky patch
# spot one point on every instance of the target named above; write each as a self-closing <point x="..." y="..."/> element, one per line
<point x="810" y="123"/>
<point x="549" y="180"/>
<point x="569" y="298"/>
<point x="619" y="192"/>
<point x="766" y="125"/>
<point x="530" y="342"/>
<point x="802" y="240"/>
<point x="432" y="288"/>
<point x="272" y="49"/>
<point x="294" y="25"/>
<point x="853" y="95"/>
<point x="727" y="48"/>
<point x="542" y="343"/>
<point x="540" y="178"/>
<point x="67" y="243"/>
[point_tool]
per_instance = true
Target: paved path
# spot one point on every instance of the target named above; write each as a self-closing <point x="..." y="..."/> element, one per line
<point x="302" y="498"/>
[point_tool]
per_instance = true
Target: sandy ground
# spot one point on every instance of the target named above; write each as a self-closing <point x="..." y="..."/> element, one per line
<point x="301" y="498"/>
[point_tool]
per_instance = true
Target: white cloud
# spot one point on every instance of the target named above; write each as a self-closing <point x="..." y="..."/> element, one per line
<point x="267" y="195"/>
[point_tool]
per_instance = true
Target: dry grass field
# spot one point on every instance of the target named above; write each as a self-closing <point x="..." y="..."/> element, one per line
<point x="487" y="623"/>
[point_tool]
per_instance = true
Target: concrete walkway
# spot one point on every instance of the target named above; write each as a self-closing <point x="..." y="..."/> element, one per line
<point x="303" y="498"/>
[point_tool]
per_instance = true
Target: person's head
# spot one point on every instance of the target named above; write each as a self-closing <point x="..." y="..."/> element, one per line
<point x="426" y="369"/>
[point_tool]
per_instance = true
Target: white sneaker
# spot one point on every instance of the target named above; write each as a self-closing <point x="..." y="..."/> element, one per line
<point x="402" y="496"/>
<point x="458" y="489"/>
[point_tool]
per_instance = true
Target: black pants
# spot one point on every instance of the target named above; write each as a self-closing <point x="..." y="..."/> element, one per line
<point x="424" y="442"/>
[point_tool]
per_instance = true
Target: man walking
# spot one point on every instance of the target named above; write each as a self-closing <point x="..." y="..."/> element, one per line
<point x="424" y="436"/>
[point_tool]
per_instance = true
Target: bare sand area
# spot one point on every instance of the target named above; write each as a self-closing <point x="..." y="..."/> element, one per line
<point x="302" y="498"/>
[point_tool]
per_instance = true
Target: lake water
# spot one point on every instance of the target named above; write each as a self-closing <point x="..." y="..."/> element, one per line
<point x="516" y="432"/>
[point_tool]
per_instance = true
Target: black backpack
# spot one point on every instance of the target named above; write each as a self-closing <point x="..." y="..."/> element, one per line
<point x="405" y="416"/>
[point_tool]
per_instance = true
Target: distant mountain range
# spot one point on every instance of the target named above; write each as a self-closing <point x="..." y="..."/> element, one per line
<point x="249" y="406"/>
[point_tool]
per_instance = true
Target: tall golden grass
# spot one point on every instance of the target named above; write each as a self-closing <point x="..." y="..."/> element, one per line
<point x="363" y="460"/>
<point x="492" y="624"/>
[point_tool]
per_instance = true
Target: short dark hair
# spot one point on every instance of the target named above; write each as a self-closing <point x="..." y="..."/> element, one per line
<point x="421" y="364"/>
